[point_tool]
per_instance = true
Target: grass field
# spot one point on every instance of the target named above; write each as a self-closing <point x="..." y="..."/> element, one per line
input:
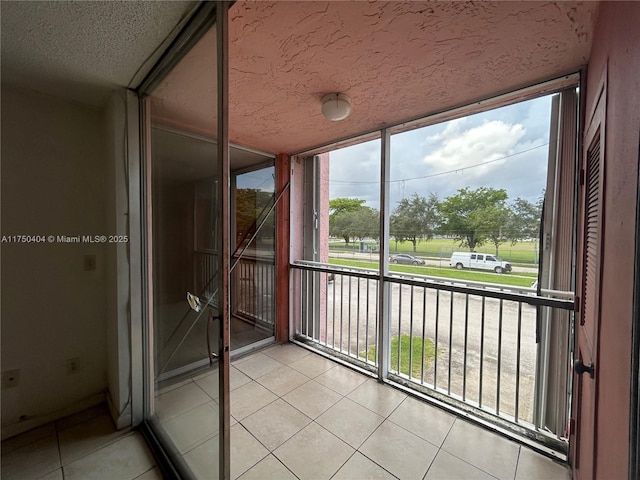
<point x="415" y="351"/>
<point x="517" y="280"/>
<point x="520" y="253"/>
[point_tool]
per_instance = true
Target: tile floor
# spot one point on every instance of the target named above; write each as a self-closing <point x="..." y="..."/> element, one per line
<point x="85" y="446"/>
<point x="295" y="415"/>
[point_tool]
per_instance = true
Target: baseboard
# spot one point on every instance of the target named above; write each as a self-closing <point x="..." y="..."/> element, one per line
<point x="40" y="420"/>
<point x="120" y="420"/>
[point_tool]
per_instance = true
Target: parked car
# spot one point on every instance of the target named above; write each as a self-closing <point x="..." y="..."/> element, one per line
<point x="406" y="259"/>
<point x="480" y="261"/>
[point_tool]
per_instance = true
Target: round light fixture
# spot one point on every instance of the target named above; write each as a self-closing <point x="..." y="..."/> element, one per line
<point x="336" y="106"/>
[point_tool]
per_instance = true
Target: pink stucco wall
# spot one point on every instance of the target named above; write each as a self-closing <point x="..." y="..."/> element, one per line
<point x="617" y="42"/>
<point x="296" y="239"/>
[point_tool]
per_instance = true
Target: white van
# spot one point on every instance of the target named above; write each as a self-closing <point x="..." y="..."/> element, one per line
<point x="480" y="261"/>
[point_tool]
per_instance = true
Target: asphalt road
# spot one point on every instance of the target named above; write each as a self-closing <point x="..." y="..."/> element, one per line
<point x="442" y="262"/>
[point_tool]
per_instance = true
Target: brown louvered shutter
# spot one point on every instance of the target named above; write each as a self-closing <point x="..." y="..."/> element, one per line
<point x="593" y="216"/>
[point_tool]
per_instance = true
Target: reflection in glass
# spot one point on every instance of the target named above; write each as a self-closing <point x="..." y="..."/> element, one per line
<point x="185" y="247"/>
<point x="253" y="278"/>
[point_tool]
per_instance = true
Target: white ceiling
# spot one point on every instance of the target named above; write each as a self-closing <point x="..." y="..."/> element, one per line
<point x="81" y="50"/>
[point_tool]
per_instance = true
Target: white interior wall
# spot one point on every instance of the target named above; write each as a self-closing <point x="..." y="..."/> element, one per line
<point x="53" y="183"/>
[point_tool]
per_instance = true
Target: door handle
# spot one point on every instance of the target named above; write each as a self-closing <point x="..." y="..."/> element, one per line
<point x="580" y="368"/>
<point x="212" y="354"/>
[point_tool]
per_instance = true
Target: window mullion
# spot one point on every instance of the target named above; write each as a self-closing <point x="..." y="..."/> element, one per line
<point x="384" y="292"/>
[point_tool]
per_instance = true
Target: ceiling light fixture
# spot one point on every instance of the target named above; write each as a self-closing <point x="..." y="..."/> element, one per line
<point x="336" y="106"/>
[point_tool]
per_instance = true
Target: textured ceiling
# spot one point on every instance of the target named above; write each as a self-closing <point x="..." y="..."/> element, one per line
<point x="396" y="60"/>
<point x="81" y="50"/>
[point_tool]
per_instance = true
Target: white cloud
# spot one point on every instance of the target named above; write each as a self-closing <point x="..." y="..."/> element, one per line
<point x="463" y="148"/>
<point x="518" y="132"/>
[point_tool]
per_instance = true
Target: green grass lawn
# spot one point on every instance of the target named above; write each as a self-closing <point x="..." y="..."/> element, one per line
<point x="416" y="354"/>
<point x="519" y="280"/>
<point x="520" y="253"/>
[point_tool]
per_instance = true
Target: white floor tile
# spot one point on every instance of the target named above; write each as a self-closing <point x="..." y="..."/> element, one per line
<point x="86" y="437"/>
<point x="246" y="451"/>
<point x="533" y="466"/>
<point x="276" y="423"/>
<point x="399" y="451"/>
<point x="26" y="438"/>
<point x="404" y="446"/>
<point x="282" y="380"/>
<point x="287" y="353"/>
<point x="193" y="427"/>
<point x="180" y="400"/>
<point x="378" y="398"/>
<point x="249" y="399"/>
<point x="268" y="468"/>
<point x="360" y="467"/>
<point x="257" y="365"/>
<point x="426" y="421"/>
<point x="127" y="458"/>
<point x="485" y="450"/>
<point x="350" y="422"/>
<point x="312" y="365"/>
<point x="204" y="459"/>
<point x="312" y="399"/>
<point x="341" y="379"/>
<point x="314" y="453"/>
<point x="32" y="460"/>
<point x="153" y="474"/>
<point x="80" y="417"/>
<point x="447" y="467"/>
<point x="55" y="475"/>
<point x="210" y="384"/>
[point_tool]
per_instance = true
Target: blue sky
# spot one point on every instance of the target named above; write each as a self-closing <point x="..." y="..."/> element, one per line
<point x="503" y="148"/>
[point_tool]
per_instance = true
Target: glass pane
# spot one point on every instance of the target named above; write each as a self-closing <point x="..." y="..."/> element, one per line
<point x="185" y="251"/>
<point x="353" y="227"/>
<point x="472" y="184"/>
<point x="342" y="222"/>
<point x="253" y="279"/>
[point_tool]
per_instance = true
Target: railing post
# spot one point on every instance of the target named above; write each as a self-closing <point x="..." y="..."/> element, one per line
<point x="384" y="292"/>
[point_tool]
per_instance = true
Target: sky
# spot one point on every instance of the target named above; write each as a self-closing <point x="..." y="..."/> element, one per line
<point x="263" y="179"/>
<point x="502" y="148"/>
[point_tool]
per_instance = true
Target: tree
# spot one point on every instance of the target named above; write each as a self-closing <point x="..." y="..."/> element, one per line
<point x="524" y="220"/>
<point x="344" y="204"/>
<point x="363" y="222"/>
<point x="250" y="204"/>
<point x="474" y="217"/>
<point x="343" y="216"/>
<point x="414" y="219"/>
<point x="494" y="222"/>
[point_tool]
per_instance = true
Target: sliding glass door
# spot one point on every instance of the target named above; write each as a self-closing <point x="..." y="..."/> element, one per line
<point x="187" y="221"/>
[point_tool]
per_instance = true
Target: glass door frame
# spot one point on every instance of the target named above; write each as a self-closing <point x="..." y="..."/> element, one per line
<point x="269" y="162"/>
<point x="204" y="17"/>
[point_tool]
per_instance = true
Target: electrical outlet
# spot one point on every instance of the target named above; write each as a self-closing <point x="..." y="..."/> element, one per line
<point x="73" y="365"/>
<point x="10" y="378"/>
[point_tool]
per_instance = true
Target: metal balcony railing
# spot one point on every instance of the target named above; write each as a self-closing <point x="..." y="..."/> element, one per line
<point x="253" y="291"/>
<point x="470" y="344"/>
